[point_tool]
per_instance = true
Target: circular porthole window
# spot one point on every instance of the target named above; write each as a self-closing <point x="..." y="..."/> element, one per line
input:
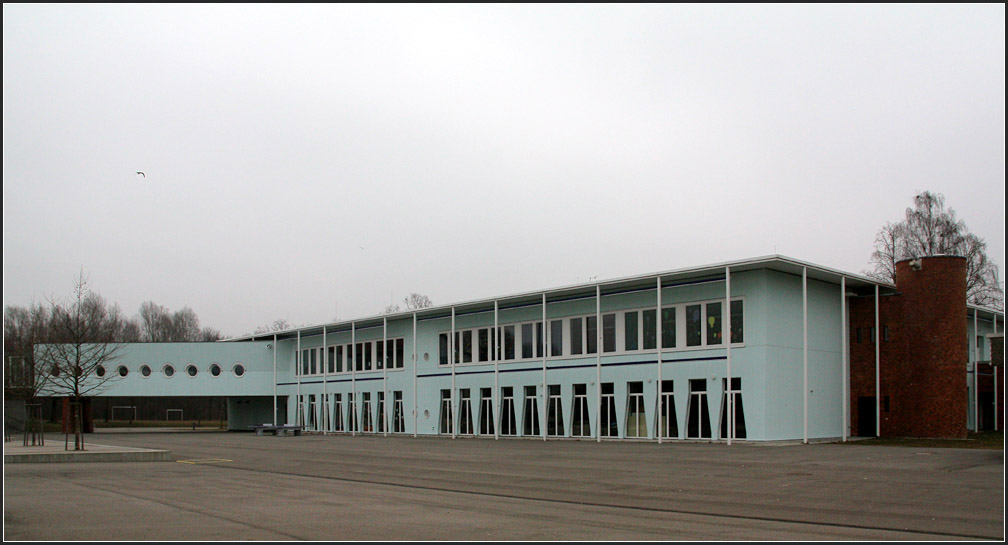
<point x="215" y="369"/>
<point x="191" y="370"/>
<point x="122" y="370"/>
<point x="168" y="370"/>
<point x="145" y="370"/>
<point x="239" y="369"/>
<point x="100" y="371"/>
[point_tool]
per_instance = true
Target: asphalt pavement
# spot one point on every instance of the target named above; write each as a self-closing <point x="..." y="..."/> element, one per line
<point x="227" y="486"/>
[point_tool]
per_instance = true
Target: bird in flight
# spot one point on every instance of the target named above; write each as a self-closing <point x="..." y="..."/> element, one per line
<point x="142" y="174"/>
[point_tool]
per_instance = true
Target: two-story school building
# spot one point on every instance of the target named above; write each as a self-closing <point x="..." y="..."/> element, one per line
<point x="762" y="349"/>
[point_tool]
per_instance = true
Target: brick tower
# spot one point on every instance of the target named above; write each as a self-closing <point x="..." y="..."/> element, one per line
<point x="923" y="352"/>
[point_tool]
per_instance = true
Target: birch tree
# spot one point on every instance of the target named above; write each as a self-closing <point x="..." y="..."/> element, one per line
<point x="929" y="229"/>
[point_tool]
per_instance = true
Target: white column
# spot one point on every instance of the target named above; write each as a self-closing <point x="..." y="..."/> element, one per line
<point x="275" y="380"/>
<point x="996" y="413"/>
<point x="353" y="378"/>
<point x="385" y="356"/>
<point x="658" y="346"/>
<point x="804" y="282"/>
<point x="598" y="363"/>
<point x="976" y="375"/>
<point x="542" y="341"/>
<point x="495" y="354"/>
<point x="324" y="356"/>
<point x="416" y="406"/>
<point x="451" y="358"/>
<point x="843" y="357"/>
<point x="878" y="382"/>
<point x="297" y="370"/>
<point x="726" y="334"/>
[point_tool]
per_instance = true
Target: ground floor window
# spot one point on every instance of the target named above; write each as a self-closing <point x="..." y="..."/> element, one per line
<point x="299" y="411"/>
<point x="446" y="411"/>
<point x="398" y="418"/>
<point x="352" y="413"/>
<point x="367" y="425"/>
<point x="530" y="416"/>
<point x="381" y="411"/>
<point x="636" y="421"/>
<point x="508" y="424"/>
<point x="312" y="421"/>
<point x="609" y="424"/>
<point x="338" y="412"/>
<point x="325" y="413"/>
<point x="736" y="393"/>
<point x="697" y="413"/>
<point x="465" y="413"/>
<point x="486" y="418"/>
<point x="554" y="412"/>
<point x="668" y="427"/>
<point x="580" y="419"/>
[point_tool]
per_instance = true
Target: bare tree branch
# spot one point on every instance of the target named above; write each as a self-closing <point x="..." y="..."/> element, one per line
<point x="417" y="301"/>
<point x="928" y="229"/>
<point x="81" y="344"/>
<point x="24" y="327"/>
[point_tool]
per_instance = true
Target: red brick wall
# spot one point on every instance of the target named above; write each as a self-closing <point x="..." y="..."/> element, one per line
<point x="923" y="364"/>
<point x="862" y="354"/>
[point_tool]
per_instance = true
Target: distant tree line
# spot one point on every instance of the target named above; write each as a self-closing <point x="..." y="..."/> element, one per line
<point x="277" y="325"/>
<point x="413" y="301"/>
<point x="87" y="319"/>
<point x="25" y="325"/>
<point x="62" y="348"/>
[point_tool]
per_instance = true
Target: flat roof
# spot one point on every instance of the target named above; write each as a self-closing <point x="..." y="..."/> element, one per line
<point x="705" y="273"/>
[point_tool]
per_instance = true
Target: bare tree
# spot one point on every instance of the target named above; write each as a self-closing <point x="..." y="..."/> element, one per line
<point x="983" y="286"/>
<point x="279" y="324"/>
<point x="81" y="344"/>
<point x="209" y="334"/>
<point x="887" y="250"/>
<point x="928" y="229"/>
<point x="129" y="331"/>
<point x="24" y="327"/>
<point x="185" y="326"/>
<point x="155" y="322"/>
<point x="415" y="301"/>
<point x="161" y="325"/>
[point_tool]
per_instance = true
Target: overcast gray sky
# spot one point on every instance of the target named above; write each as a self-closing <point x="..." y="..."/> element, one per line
<point x="309" y="162"/>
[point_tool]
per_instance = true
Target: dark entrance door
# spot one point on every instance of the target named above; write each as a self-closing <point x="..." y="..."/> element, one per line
<point x="986" y="403"/>
<point x="866" y="417"/>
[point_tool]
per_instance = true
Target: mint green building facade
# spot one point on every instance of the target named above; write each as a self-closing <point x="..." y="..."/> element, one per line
<point x="572" y="362"/>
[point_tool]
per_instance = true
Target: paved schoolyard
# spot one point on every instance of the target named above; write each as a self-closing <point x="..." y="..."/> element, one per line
<point x="239" y="486"/>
